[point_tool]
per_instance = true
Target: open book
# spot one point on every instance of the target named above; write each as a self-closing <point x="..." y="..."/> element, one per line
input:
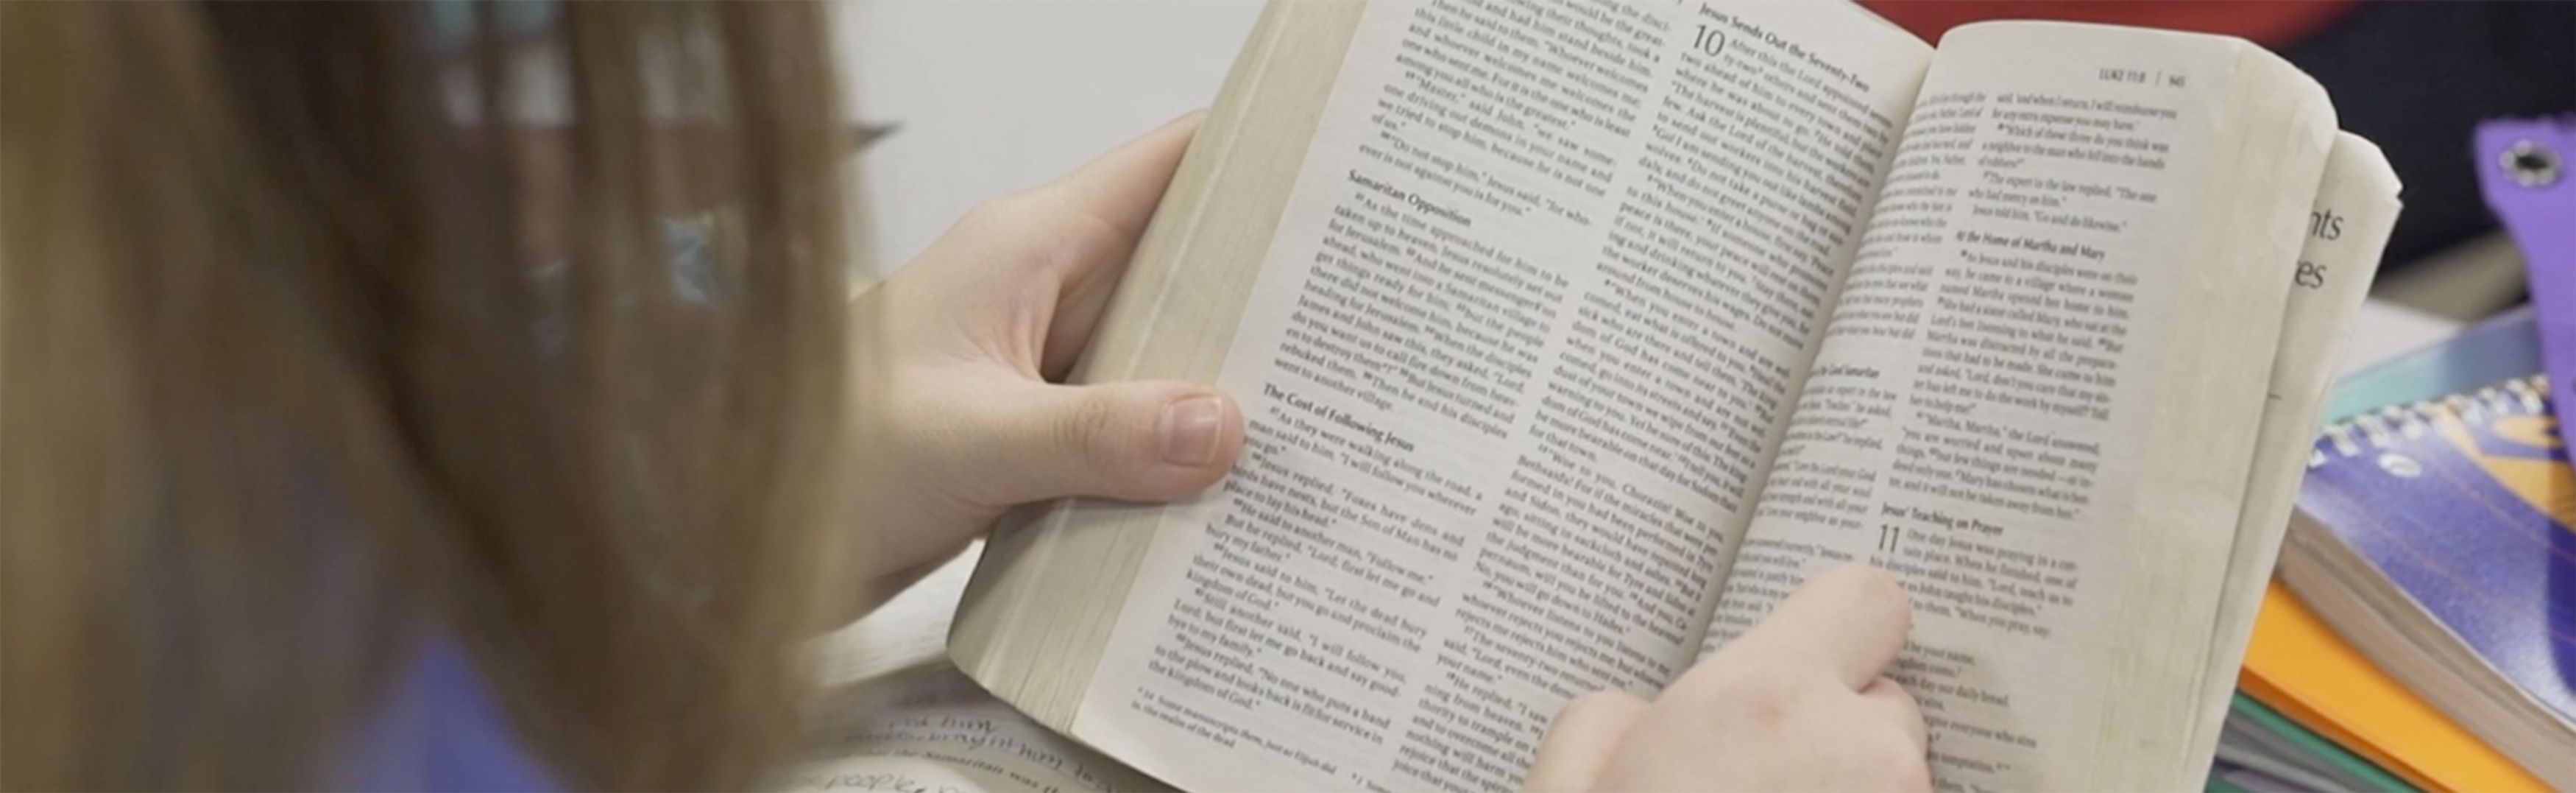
<point x="1573" y="336"/>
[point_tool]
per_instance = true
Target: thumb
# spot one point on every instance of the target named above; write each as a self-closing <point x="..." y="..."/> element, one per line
<point x="1581" y="741"/>
<point x="1129" y="441"/>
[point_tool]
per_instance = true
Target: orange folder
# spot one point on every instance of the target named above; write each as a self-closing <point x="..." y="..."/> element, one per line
<point x="2303" y="669"/>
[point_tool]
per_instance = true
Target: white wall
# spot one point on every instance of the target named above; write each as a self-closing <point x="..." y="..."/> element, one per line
<point x="995" y="95"/>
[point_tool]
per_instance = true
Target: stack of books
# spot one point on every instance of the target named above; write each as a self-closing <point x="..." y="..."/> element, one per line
<point x="2422" y="633"/>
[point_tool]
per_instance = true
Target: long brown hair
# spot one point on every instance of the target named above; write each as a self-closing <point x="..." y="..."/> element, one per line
<point x="285" y="389"/>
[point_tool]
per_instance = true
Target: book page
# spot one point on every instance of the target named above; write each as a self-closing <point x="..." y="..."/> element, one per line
<point x="1522" y="348"/>
<point x="2356" y="209"/>
<point x="933" y="731"/>
<point x="2037" y="401"/>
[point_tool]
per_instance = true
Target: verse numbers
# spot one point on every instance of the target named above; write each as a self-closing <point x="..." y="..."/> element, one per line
<point x="1709" y="40"/>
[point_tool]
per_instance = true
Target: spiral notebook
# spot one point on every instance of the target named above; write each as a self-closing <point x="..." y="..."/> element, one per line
<point x="2435" y="536"/>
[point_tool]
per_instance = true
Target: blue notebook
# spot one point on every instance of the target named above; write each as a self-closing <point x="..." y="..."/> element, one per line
<point x="2435" y="535"/>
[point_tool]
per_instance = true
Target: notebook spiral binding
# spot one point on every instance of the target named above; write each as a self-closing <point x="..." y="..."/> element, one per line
<point x="2378" y="429"/>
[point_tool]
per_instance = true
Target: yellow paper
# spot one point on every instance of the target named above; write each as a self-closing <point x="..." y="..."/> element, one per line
<point x="2306" y="671"/>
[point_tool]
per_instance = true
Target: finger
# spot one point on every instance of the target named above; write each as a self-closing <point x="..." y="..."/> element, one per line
<point x="1121" y="188"/>
<point x="1128" y="441"/>
<point x="1581" y="741"/>
<point x="1852" y="618"/>
<point x="1119" y="192"/>
<point x="1885" y="695"/>
<point x="1111" y="197"/>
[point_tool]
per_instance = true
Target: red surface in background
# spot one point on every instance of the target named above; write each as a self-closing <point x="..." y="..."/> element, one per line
<point x="2271" y="23"/>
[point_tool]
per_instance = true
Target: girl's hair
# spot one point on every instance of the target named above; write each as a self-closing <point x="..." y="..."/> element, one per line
<point x="290" y="382"/>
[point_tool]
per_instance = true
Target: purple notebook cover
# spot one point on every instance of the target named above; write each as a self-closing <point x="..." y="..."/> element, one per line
<point x="2466" y="504"/>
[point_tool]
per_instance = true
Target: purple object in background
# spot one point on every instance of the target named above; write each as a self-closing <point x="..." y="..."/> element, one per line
<point x="2524" y="170"/>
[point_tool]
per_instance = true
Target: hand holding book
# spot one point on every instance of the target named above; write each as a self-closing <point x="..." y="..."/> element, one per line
<point x="955" y="360"/>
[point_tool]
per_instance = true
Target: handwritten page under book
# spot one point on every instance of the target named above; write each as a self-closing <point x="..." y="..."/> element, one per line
<point x="934" y="731"/>
<point x="1525" y="345"/>
<point x="1979" y="417"/>
<point x="908" y="631"/>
